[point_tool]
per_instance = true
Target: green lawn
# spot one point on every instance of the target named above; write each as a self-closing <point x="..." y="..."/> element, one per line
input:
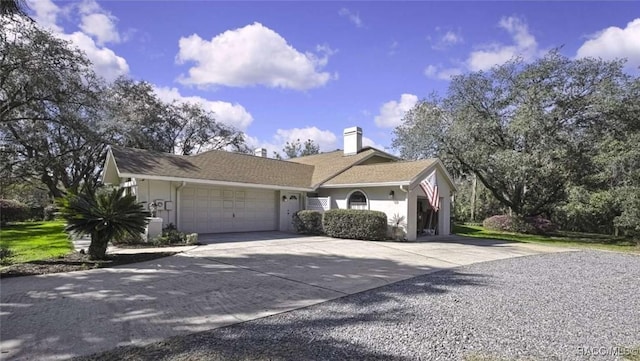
<point x="561" y="238"/>
<point x="31" y="241"/>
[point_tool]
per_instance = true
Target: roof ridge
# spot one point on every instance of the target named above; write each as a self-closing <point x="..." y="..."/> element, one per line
<point x="314" y="155"/>
<point x="402" y="161"/>
<point x="140" y="150"/>
<point x="199" y="154"/>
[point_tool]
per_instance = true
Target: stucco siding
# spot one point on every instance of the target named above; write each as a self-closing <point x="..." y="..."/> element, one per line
<point x="377" y="198"/>
<point x="150" y="190"/>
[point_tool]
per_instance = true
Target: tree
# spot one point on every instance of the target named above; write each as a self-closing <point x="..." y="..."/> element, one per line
<point x="13" y="7"/>
<point x="296" y="149"/>
<point x="49" y="109"/>
<point x="526" y="131"/>
<point x="105" y="215"/>
<point x="139" y="119"/>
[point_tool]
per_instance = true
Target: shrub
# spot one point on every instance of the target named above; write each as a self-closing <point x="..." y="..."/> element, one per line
<point x="106" y="215"/>
<point x="130" y="240"/>
<point x="170" y="236"/>
<point x="5" y="254"/>
<point x="542" y="225"/>
<point x="36" y="214"/>
<point x="192" y="238"/>
<point x="308" y="222"/>
<point x="531" y="225"/>
<point x="355" y="224"/>
<point x="50" y="212"/>
<point x="13" y="211"/>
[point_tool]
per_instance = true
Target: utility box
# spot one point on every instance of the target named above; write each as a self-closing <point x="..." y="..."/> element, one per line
<point x="154" y="228"/>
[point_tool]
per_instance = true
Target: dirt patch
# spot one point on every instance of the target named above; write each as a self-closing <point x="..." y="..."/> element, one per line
<point x="76" y="262"/>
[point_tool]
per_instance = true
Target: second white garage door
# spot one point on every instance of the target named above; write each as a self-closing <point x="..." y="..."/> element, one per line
<point x="216" y="210"/>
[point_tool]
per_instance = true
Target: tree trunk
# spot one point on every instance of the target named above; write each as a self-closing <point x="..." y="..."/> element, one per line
<point x="98" y="247"/>
<point x="473" y="197"/>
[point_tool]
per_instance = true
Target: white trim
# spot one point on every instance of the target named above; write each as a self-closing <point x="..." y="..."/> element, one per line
<point x="380" y="184"/>
<point x="361" y="191"/>
<point x="131" y="183"/>
<point x="106" y="165"/>
<point x="429" y="169"/>
<point x="192" y="181"/>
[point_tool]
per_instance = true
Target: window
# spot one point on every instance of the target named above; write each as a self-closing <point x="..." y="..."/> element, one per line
<point x="357" y="200"/>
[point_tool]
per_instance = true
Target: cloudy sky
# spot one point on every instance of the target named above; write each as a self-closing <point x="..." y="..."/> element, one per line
<point x="280" y="71"/>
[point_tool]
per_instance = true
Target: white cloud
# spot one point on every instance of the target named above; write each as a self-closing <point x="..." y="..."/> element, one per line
<point x="485" y="57"/>
<point x="252" y="55"/>
<point x="446" y="40"/>
<point x="231" y="114"/>
<point x="451" y="38"/>
<point x="45" y="14"/>
<point x="326" y="139"/>
<point x="614" y="42"/>
<point x="353" y="17"/>
<point x="392" y="112"/>
<point x="105" y="61"/>
<point x="438" y="72"/>
<point x="393" y="48"/>
<point x="368" y="142"/>
<point x="98" y="22"/>
<point x="524" y="45"/>
<point x="101" y="27"/>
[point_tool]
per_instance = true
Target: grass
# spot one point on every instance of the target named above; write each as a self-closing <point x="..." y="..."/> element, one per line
<point x="560" y="238"/>
<point x="32" y="241"/>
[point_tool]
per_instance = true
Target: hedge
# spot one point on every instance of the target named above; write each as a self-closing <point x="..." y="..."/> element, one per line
<point x="531" y="225"/>
<point x="13" y="211"/>
<point x="308" y="222"/>
<point x="355" y="224"/>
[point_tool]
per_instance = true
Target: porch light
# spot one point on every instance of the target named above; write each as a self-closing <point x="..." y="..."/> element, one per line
<point x="284" y="198"/>
<point x="391" y="194"/>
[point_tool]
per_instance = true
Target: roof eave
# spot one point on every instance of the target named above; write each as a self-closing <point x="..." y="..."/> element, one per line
<point x="214" y="182"/>
<point x="372" y="184"/>
<point x="430" y="168"/>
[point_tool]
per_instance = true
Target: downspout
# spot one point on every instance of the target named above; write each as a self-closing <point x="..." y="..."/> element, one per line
<point x="404" y="190"/>
<point x="178" y="189"/>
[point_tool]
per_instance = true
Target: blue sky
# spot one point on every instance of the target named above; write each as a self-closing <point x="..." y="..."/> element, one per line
<point x="286" y="70"/>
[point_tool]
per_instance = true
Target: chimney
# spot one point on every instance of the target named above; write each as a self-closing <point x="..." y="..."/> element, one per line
<point x="352" y="140"/>
<point x="260" y="152"/>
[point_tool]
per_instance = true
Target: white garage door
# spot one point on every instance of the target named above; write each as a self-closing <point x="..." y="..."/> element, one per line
<point x="216" y="210"/>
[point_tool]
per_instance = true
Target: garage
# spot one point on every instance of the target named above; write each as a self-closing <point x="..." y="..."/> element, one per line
<point x="217" y="210"/>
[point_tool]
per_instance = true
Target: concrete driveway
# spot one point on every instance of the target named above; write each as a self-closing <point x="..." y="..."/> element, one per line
<point x="233" y="278"/>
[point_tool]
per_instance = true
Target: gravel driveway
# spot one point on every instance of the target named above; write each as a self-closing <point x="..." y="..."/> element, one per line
<point x="562" y="306"/>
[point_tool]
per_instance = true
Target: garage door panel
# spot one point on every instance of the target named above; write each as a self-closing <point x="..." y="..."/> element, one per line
<point x="215" y="209"/>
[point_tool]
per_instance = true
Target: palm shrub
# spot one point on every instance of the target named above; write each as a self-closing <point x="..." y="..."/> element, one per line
<point x="105" y="215"/>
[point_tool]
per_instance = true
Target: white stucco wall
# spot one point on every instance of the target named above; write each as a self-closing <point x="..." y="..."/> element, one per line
<point x="378" y="200"/>
<point x="444" y="214"/>
<point x="403" y="203"/>
<point x="150" y="190"/>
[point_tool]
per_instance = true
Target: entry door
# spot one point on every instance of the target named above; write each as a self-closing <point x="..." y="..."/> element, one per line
<point x="292" y="206"/>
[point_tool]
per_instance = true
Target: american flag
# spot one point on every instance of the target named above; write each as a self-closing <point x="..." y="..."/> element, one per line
<point x="430" y="187"/>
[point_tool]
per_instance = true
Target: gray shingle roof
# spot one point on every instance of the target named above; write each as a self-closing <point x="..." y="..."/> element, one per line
<point x="214" y="165"/>
<point x="327" y="165"/>
<point x="332" y="168"/>
<point x="382" y="172"/>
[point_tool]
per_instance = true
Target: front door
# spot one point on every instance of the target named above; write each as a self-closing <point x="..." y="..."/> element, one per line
<point x="292" y="205"/>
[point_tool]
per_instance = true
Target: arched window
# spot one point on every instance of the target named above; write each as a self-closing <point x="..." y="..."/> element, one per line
<point x="357" y="200"/>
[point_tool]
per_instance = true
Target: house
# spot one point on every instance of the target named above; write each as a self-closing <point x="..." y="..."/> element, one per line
<point x="218" y="191"/>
